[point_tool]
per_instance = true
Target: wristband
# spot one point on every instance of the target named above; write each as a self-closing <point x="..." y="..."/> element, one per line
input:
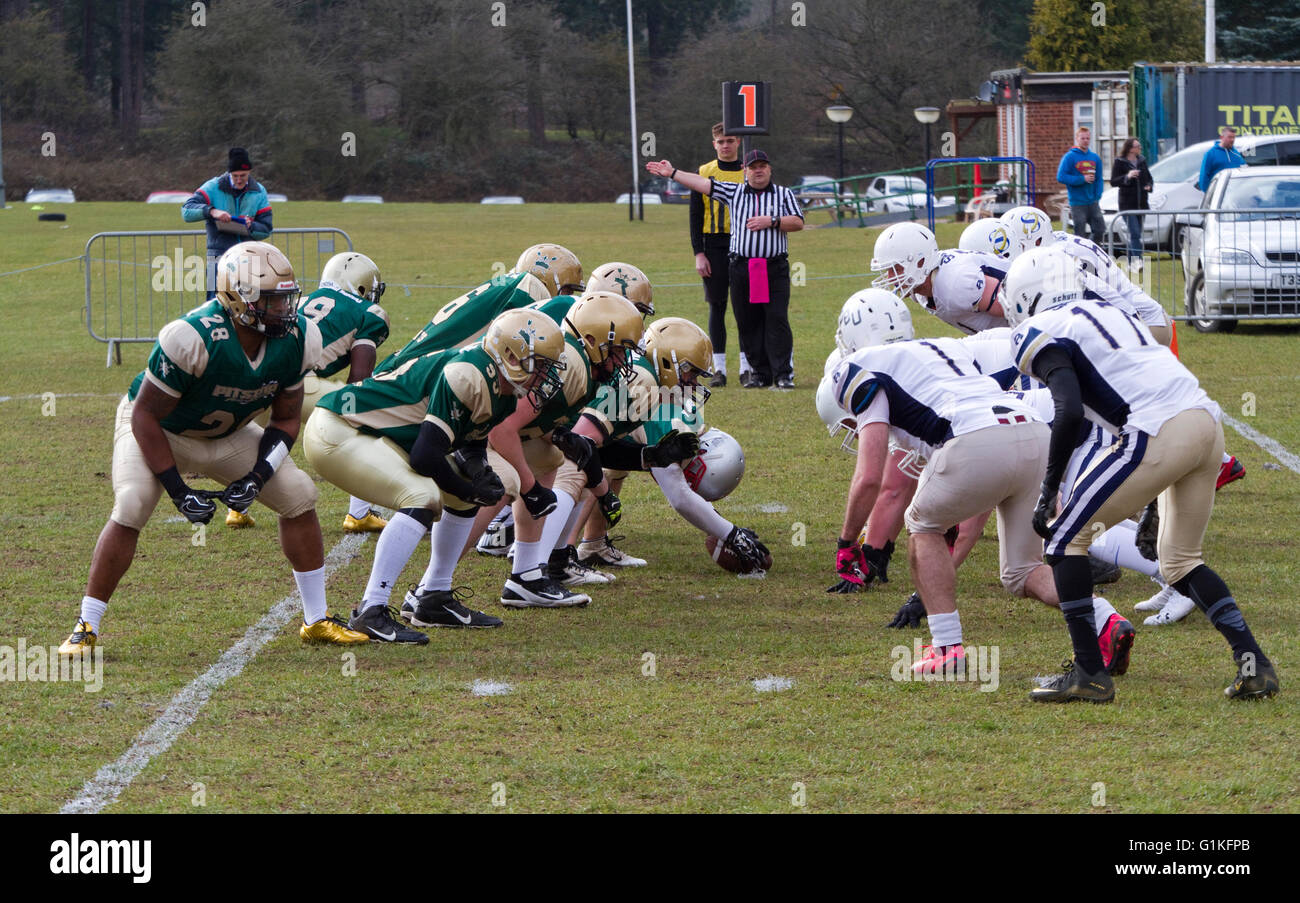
<point x="673" y="174"/>
<point x="172" y="482"/>
<point x="843" y="544"/>
<point x="271" y="452"/>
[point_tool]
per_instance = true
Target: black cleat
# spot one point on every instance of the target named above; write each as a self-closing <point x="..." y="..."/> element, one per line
<point x="719" y="381"/>
<point x="377" y="622"/>
<point x="1103" y="571"/>
<point x="1260" y="684"/>
<point x="1074" y="683"/>
<point x="442" y="608"/>
<point x="539" y="592"/>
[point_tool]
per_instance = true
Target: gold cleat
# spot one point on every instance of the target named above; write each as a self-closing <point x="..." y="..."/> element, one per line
<point x="80" y="642"/>
<point x="237" y="521"/>
<point x="328" y="629"/>
<point x="371" y="523"/>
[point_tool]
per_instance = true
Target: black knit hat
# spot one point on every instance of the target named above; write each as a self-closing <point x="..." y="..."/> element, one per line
<point x="239" y="161"/>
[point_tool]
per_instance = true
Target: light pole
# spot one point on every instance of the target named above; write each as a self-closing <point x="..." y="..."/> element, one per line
<point x="927" y="116"/>
<point x="840" y="114"/>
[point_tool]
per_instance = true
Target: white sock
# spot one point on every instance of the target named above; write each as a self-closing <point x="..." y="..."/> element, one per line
<point x="1118" y="545"/>
<point x="92" y="610"/>
<point x="449" y="535"/>
<point x="1101" y="612"/>
<point x="573" y="520"/>
<point x="1226" y="457"/>
<point x="552" y="530"/>
<point x="505" y="517"/>
<point x="945" y="629"/>
<point x="358" y="508"/>
<point x="744" y="362"/>
<point x="529" y="556"/>
<point x="719" y="363"/>
<point x="311" y="584"/>
<point x="396" y="545"/>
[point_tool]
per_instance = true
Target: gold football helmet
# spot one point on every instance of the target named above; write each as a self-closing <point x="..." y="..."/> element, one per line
<point x="556" y="266"/>
<point x="528" y="347"/>
<point x="256" y="286"/>
<point x="610" y="329"/>
<point x="355" y="273"/>
<point x="626" y="280"/>
<point x="680" y="352"/>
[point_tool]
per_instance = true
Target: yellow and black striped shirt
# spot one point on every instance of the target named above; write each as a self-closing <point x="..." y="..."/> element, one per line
<point x="710" y="218"/>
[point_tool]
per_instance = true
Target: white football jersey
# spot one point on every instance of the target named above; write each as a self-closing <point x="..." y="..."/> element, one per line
<point x="932" y="391"/>
<point x="1093" y="440"/>
<point x="1108" y="281"/>
<point x="958" y="286"/>
<point x="1126" y="378"/>
<point x="991" y="350"/>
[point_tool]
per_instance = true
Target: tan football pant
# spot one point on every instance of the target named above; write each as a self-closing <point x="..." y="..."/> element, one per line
<point x="374" y="468"/>
<point x="136" y="490"/>
<point x="1180" y="464"/>
<point x="998" y="467"/>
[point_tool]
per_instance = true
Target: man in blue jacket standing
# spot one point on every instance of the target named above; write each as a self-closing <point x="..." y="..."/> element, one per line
<point x="233" y="197"/>
<point x="1220" y="156"/>
<point x="1078" y="173"/>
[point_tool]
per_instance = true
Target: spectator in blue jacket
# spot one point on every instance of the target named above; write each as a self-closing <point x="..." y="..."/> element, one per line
<point x="1220" y="156"/>
<point x="231" y="197"/>
<point x="1078" y="173"/>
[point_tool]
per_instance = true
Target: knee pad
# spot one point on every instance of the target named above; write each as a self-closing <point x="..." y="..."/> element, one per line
<point x="423" y="516"/>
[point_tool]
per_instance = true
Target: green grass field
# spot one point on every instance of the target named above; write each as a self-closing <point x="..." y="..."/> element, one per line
<point x="585" y="728"/>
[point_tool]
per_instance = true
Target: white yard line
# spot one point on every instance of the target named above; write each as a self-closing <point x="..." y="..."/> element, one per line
<point x="1272" y="446"/>
<point x="108" y="783"/>
<point x="55" y="395"/>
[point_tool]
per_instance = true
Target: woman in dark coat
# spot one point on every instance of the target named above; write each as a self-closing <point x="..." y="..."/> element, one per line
<point x="1130" y="175"/>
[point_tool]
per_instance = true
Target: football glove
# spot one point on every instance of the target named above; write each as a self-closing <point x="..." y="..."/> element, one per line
<point x="1148" y="532"/>
<point x="539" y="501"/>
<point x="575" y="447"/>
<point x="239" y="495"/>
<point x="674" y="448"/>
<point x="745" y="545"/>
<point x="910" y="615"/>
<point x="472" y="462"/>
<point x="195" y="504"/>
<point x="488" y="488"/>
<point x="850" y="568"/>
<point x="611" y="507"/>
<point x="1045" y="510"/>
<point x="877" y="562"/>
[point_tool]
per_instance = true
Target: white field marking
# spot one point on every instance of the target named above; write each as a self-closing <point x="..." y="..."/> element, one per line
<point x="68" y="395"/>
<point x="490" y="688"/>
<point x="771" y="684"/>
<point x="773" y="508"/>
<point x="1272" y="446"/>
<point x="108" y="783"/>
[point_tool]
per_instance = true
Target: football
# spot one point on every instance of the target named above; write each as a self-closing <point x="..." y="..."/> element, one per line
<point x="724" y="558"/>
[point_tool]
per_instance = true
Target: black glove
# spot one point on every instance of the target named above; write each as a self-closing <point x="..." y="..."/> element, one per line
<point x="1148" y="532"/>
<point x="877" y="562"/>
<point x="195" y="504"/>
<point x="576" y="448"/>
<point x="539" y="501"/>
<point x="1045" y="510"/>
<point x="910" y="615"/>
<point x="240" y="494"/>
<point x="488" y="489"/>
<point x="673" y="448"/>
<point x="745" y="545"/>
<point x="611" y="507"/>
<point x="472" y="463"/>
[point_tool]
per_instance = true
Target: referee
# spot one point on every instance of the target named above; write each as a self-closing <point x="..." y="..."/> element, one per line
<point x="710" y="240"/>
<point x="759" y="266"/>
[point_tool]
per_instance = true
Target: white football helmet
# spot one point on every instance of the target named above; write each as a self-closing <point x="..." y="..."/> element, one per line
<point x="870" y="317"/>
<point x="905" y="254"/>
<point x="1040" y="280"/>
<point x="716" y="471"/>
<point x="835" y="417"/>
<point x="990" y="236"/>
<point x="1029" y="227"/>
<point x="832" y="361"/>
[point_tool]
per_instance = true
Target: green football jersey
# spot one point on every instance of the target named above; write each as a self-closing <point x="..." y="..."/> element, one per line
<point x="345" y="320"/>
<point x="463" y="321"/>
<point x="456" y="389"/>
<point x="578" y="391"/>
<point x="685" y="418"/>
<point x="198" y="360"/>
<point x="623" y="405"/>
<point x="556" y="308"/>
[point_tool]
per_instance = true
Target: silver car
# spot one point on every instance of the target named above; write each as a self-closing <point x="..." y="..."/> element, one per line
<point x="1242" y="256"/>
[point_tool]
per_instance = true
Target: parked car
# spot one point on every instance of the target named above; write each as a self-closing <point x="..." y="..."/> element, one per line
<point x="1245" y="260"/>
<point x="272" y="198"/>
<point x="167" y="197"/>
<point x="891" y="194"/>
<point x="362" y="199"/>
<point x="814" y="191"/>
<point x="1175" y="188"/>
<point x="51" y="196"/>
<point x="646" y="198"/>
<point x="502" y="199"/>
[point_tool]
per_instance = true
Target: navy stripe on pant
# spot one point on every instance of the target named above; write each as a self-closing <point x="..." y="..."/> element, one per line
<point x="1093" y="489"/>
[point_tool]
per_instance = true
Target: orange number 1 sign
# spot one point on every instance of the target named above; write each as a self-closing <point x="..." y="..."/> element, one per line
<point x="751" y="116"/>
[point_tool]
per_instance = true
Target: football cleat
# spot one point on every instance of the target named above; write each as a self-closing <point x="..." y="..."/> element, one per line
<point x="1116" y="641"/>
<point x="947" y="660"/>
<point x="1260" y="685"/>
<point x="1103" y="571"/>
<point x="597" y="553"/>
<point x="1158" y="601"/>
<point x="565" y="569"/>
<point x="377" y="622"/>
<point x="539" y="592"/>
<point x="81" y="641"/>
<point x="1230" y="471"/>
<point x="1074" y="683"/>
<point x="236" y="520"/>
<point x="443" y="608"/>
<point x="330" y="629"/>
<point x="719" y="381"/>
<point x="496" y="540"/>
<point x="372" y="522"/>
<point x="1176" y="607"/>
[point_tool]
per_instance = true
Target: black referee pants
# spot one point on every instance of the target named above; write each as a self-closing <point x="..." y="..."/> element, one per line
<point x="715" y="292"/>
<point x="764" y="329"/>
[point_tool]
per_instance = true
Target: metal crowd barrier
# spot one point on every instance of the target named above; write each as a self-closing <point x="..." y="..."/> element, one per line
<point x="137" y="282"/>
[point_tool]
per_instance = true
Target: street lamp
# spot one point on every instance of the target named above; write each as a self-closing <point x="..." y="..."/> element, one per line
<point x="927" y="116"/>
<point x="840" y="114"/>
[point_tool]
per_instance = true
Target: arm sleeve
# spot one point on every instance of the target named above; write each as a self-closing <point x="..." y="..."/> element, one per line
<point x="622" y="454"/>
<point x="789" y="204"/>
<point x="1117" y="172"/>
<point x="724" y="191"/>
<point x="692" y="507"/>
<point x="697" y="222"/>
<point x="261" y="226"/>
<point x="429" y="459"/>
<point x="1052" y="365"/>
<point x="196" y="208"/>
<point x="1205" y="171"/>
<point x="1066" y="174"/>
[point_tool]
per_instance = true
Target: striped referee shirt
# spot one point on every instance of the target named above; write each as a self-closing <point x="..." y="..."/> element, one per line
<point x="774" y="200"/>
